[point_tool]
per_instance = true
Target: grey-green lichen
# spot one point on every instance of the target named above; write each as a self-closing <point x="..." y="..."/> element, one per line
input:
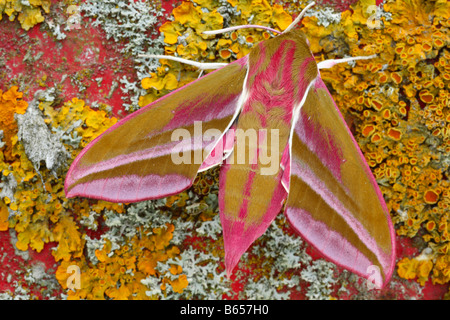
<point x="321" y="277"/>
<point x="41" y="146"/>
<point x="133" y="24"/>
<point x="206" y="280"/>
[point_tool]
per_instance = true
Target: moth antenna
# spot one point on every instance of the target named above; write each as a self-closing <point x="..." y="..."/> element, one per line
<point x="299" y="17"/>
<point x="332" y="62"/>
<point x="200" y="65"/>
<point x="211" y="32"/>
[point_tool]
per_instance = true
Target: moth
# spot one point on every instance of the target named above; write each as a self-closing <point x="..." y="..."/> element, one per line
<point x="275" y="94"/>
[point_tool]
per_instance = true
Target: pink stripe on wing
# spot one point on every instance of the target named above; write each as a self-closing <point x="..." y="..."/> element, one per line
<point x="239" y="234"/>
<point x="124" y="189"/>
<point x="334" y="246"/>
<point x="307" y="176"/>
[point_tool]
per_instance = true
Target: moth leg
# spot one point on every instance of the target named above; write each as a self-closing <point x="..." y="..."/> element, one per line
<point x="331" y="62"/>
<point x="200" y="65"/>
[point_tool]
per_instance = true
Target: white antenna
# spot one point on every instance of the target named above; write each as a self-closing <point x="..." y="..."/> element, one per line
<point x="211" y="32"/>
<point x="332" y="62"/>
<point x="200" y="65"/>
<point x="299" y="17"/>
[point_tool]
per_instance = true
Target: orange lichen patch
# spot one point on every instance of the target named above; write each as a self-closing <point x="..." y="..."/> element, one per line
<point x="95" y="121"/>
<point x="250" y="39"/>
<point x="396" y="77"/>
<point x="368" y="130"/>
<point x="394" y="133"/>
<point x="223" y="43"/>
<point x="42" y="214"/>
<point x="425" y="268"/>
<point x="431" y="197"/>
<point x="400" y="48"/>
<point x="436" y="132"/>
<point x="402" y="111"/>
<point x="120" y="271"/>
<point x="426" y="96"/>
<point x="175" y="269"/>
<point x="376" y="138"/>
<point x="171" y="32"/>
<point x="407" y="268"/>
<point x="426" y="47"/>
<point x="376" y="67"/>
<point x="377" y="105"/>
<point x="11" y="103"/>
<point x="4" y="215"/>
<point x="430" y="225"/>
<point x="68" y="237"/>
<point x="212" y="21"/>
<point x="410" y="41"/>
<point x="225" y="54"/>
<point x="387" y="114"/>
<point x="438" y="43"/>
<point x="383" y="77"/>
<point x="360" y="99"/>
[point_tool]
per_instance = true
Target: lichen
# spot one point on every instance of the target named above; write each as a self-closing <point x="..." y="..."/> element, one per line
<point x="132" y="25"/>
<point x="40" y="145"/>
<point x="11" y="103"/>
<point x="33" y="202"/>
<point x="29" y="13"/>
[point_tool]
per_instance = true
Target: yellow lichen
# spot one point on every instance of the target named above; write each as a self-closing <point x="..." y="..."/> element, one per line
<point x="441" y="271"/>
<point x="179" y="284"/>
<point x="119" y="273"/>
<point x="28" y="13"/>
<point x="42" y="214"/>
<point x="414" y="268"/>
<point x="11" y="103"/>
<point x="119" y="270"/>
<point x="169" y="82"/>
<point x="4" y="215"/>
